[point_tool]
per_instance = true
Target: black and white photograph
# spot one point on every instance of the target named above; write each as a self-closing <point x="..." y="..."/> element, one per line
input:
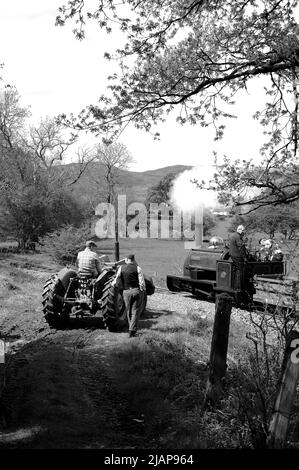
<point x="149" y="229"/>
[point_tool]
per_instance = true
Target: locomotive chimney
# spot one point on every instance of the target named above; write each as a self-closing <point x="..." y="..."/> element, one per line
<point x="198" y="226"/>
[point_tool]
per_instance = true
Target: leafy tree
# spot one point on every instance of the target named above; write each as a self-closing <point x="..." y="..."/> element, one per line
<point x="280" y="219"/>
<point x="195" y="56"/>
<point x="47" y="142"/>
<point x="113" y="158"/>
<point x="12" y="118"/>
<point x="289" y="224"/>
<point x="209" y="223"/>
<point x="33" y="211"/>
<point x="161" y="193"/>
<point x="32" y="200"/>
<point x="64" y="243"/>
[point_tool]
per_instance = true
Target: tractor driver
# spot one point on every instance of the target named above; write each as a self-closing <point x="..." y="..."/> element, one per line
<point x="88" y="261"/>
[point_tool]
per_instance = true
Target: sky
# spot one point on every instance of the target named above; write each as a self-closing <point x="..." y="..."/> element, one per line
<point x="55" y="73"/>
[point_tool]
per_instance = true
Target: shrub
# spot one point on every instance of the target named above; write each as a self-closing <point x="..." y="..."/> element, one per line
<point x="64" y="244"/>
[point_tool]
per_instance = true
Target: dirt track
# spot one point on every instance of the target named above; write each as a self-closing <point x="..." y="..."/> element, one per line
<point x="62" y="392"/>
<point x="65" y="389"/>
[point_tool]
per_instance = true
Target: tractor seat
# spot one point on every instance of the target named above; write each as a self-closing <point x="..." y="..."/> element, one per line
<point x="84" y="276"/>
<point x="83" y="280"/>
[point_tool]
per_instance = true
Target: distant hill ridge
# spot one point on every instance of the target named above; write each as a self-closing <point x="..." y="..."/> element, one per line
<point x="134" y="184"/>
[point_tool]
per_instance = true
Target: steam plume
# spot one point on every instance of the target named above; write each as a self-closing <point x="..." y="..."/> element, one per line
<point x="186" y="196"/>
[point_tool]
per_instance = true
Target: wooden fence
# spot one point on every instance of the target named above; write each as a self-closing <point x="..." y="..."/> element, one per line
<point x="280" y="293"/>
<point x="285" y="295"/>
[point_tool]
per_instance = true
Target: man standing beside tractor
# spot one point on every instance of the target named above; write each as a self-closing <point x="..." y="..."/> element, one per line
<point x="133" y="283"/>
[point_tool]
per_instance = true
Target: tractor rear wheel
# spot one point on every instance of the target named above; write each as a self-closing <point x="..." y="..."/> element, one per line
<point x="53" y="293"/>
<point x="113" y="307"/>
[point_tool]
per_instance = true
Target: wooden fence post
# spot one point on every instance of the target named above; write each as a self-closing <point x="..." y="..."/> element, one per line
<point x="2" y="367"/>
<point x="2" y="370"/>
<point x="294" y="297"/>
<point x="219" y="345"/>
<point x="286" y="394"/>
<point x="2" y="361"/>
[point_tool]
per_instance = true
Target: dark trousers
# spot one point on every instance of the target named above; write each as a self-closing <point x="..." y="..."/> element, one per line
<point x="238" y="272"/>
<point x="132" y="299"/>
<point x="242" y="280"/>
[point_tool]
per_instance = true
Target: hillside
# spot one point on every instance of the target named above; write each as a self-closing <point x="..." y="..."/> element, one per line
<point x="132" y="183"/>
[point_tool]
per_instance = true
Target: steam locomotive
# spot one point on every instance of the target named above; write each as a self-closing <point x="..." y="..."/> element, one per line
<point x="208" y="271"/>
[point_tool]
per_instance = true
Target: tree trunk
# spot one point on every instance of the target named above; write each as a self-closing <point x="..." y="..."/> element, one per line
<point x="22" y="243"/>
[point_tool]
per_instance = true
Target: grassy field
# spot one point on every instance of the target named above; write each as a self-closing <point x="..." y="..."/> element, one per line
<point x="156" y="257"/>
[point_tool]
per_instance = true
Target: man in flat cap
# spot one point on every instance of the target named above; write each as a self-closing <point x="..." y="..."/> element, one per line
<point x="88" y="261"/>
<point x="238" y="254"/>
<point x="237" y="249"/>
<point x="133" y="284"/>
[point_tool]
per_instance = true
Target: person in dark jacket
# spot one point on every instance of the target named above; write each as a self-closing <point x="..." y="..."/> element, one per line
<point x="238" y="254"/>
<point x="133" y="284"/>
<point x="237" y="249"/>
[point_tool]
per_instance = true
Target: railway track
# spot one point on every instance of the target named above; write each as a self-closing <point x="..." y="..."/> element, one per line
<point x="164" y="290"/>
<point x="261" y="303"/>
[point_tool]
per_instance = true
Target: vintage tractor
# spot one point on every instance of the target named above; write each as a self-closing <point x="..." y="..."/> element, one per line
<point x="209" y="271"/>
<point x="66" y="295"/>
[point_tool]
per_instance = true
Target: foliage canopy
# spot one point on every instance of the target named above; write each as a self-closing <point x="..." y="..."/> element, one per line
<point x="195" y="56"/>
